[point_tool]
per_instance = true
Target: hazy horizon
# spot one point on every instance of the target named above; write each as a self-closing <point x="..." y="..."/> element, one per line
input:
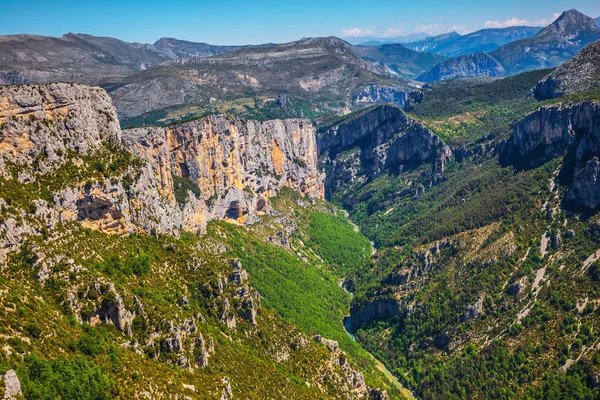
<point x="234" y="22"/>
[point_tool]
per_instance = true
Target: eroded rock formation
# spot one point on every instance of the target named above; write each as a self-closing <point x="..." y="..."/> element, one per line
<point x="172" y="179"/>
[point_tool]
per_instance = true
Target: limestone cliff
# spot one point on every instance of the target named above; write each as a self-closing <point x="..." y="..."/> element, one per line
<point x="378" y="140"/>
<point x="236" y="164"/>
<point x="62" y="142"/>
<point x="571" y="129"/>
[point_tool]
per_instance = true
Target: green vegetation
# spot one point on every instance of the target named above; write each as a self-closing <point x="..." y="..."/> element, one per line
<point x="461" y="111"/>
<point x="110" y="162"/>
<point x="304" y="294"/>
<point x="474" y="195"/>
<point x="590" y="95"/>
<point x="182" y="187"/>
<point x="481" y="306"/>
<point x="62" y="378"/>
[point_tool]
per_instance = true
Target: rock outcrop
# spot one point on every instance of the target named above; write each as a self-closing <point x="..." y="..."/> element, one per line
<point x="170" y="179"/>
<point x="380" y="139"/>
<point x="478" y="64"/>
<point x="550" y="132"/>
<point x="385" y="94"/>
<point x="338" y="370"/>
<point x="12" y="386"/>
<point x="374" y="310"/>
<point x="580" y="73"/>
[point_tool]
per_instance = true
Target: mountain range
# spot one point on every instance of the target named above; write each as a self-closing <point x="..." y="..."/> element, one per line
<point x="484" y="40"/>
<point x="548" y="48"/>
<point x="397" y="59"/>
<point x="580" y="74"/>
<point x="88" y="59"/>
<point x="308" y="77"/>
<point x="373" y="40"/>
<point x="300" y="220"/>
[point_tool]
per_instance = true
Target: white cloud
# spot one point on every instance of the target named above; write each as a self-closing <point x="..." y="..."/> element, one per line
<point x="520" y="22"/>
<point x="394" y="32"/>
<point x="440" y="27"/>
<point x="434" y="29"/>
<point x="353" y="32"/>
<point x="505" y="24"/>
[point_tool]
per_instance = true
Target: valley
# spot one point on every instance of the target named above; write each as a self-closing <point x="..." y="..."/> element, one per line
<point x="400" y="217"/>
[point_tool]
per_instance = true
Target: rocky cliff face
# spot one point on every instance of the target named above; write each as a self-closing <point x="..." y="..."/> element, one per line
<point x="579" y="74"/>
<point x="375" y="310"/>
<point x="551" y="131"/>
<point x="377" y="94"/>
<point x="236" y="165"/>
<point x="380" y="139"/>
<point x="478" y="64"/>
<point x="63" y="142"/>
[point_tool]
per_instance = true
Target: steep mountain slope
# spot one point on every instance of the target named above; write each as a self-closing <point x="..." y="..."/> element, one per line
<point x="431" y="44"/>
<point x="478" y="64"/>
<point x="228" y="170"/>
<point x="376" y="141"/>
<point x="465" y="111"/>
<point x="597" y="21"/>
<point x="556" y="43"/>
<point x="106" y="286"/>
<point x="311" y="76"/>
<point x="553" y="45"/>
<point x="484" y="40"/>
<point x="87" y="59"/>
<point x="485" y="282"/>
<point x="398" y="60"/>
<point x="579" y="74"/>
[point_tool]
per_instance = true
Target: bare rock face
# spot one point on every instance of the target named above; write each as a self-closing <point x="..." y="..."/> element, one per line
<point x="203" y="353"/>
<point x="478" y="64"/>
<point x="384" y="139"/>
<point x="377" y="309"/>
<point x="586" y="185"/>
<point x="385" y="94"/>
<point x="475" y="310"/>
<point x="229" y="167"/>
<point x="108" y="307"/>
<point x="33" y="118"/>
<point x="580" y="73"/>
<point x="237" y="165"/>
<point x="549" y="132"/>
<point x="339" y="370"/>
<point x="13" y="386"/>
<point x="519" y="286"/>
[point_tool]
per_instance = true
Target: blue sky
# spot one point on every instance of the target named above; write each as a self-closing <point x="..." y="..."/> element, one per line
<point x="260" y="21"/>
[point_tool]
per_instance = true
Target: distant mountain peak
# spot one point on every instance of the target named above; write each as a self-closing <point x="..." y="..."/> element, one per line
<point x="327" y="41"/>
<point x="570" y="23"/>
